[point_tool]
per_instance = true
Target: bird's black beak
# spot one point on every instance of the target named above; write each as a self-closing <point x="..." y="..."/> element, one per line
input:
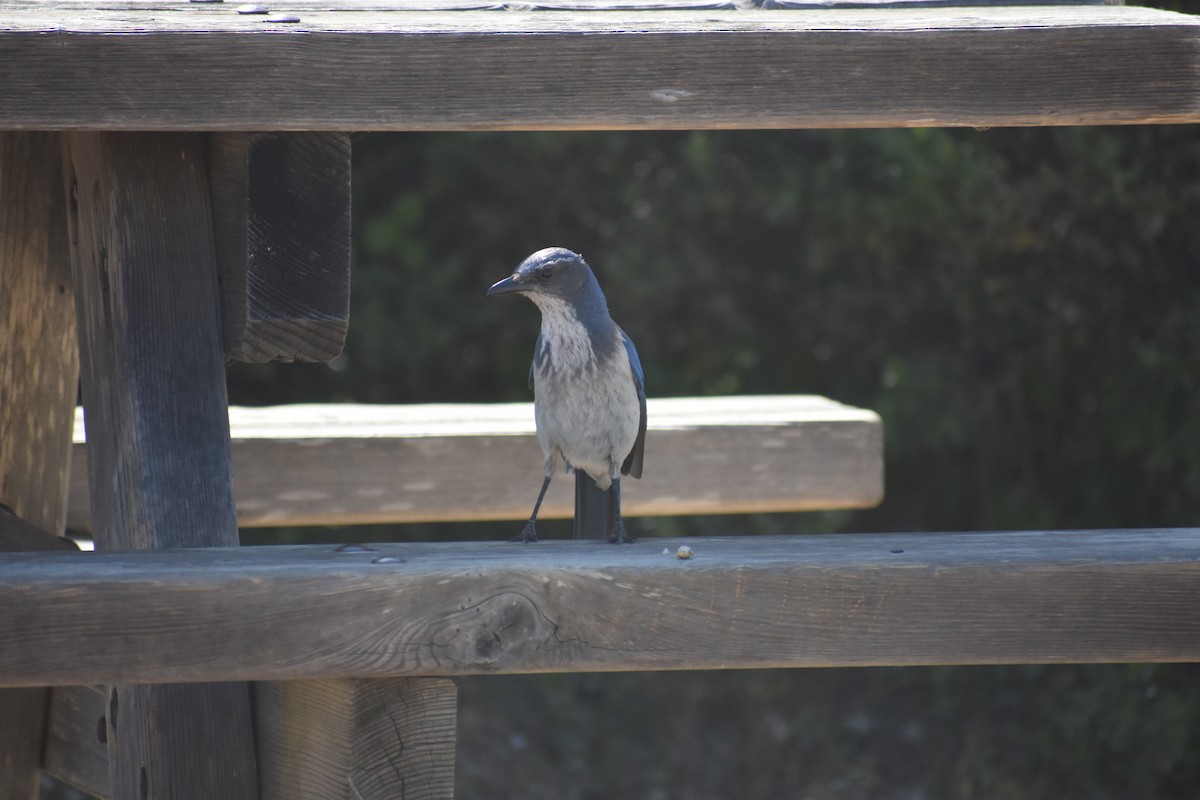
<point x="506" y="286"/>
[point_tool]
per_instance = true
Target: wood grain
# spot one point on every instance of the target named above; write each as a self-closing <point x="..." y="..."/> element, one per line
<point x="39" y="356"/>
<point x="373" y="739"/>
<point x="364" y="66"/>
<point x="478" y="608"/>
<point x="281" y="209"/>
<point x="358" y="464"/>
<point x="154" y="399"/>
<point x="39" y="375"/>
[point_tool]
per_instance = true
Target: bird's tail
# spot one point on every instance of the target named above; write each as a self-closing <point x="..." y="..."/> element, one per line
<point x="593" y="508"/>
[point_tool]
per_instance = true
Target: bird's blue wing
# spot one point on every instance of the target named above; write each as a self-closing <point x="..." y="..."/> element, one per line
<point x="633" y="461"/>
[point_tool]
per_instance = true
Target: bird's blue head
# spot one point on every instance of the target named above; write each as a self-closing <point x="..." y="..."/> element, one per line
<point x="552" y="277"/>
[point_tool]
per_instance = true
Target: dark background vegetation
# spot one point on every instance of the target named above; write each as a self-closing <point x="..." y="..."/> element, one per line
<point x="1021" y="306"/>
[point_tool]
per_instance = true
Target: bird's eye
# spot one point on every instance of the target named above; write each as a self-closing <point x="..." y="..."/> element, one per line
<point x="544" y="273"/>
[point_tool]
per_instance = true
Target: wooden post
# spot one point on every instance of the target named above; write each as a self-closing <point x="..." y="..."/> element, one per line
<point x="155" y="410"/>
<point x="357" y="739"/>
<point x="39" y="377"/>
<point x="281" y="206"/>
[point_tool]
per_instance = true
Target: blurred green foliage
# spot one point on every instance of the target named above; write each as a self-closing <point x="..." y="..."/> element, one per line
<point x="1022" y="307"/>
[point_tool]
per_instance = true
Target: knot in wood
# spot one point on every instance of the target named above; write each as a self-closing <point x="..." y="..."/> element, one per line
<point x="497" y="630"/>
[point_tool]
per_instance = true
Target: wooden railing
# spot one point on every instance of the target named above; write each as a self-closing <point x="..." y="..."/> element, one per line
<point x="427" y="609"/>
<point x="330" y="633"/>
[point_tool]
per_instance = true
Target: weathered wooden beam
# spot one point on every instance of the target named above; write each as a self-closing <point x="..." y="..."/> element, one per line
<point x="281" y="210"/>
<point x="76" y="749"/>
<point x="154" y="396"/>
<point x="368" y="66"/>
<point x="39" y="354"/>
<point x="352" y="739"/>
<point x="462" y="609"/>
<point x="39" y="377"/>
<point x="356" y="464"/>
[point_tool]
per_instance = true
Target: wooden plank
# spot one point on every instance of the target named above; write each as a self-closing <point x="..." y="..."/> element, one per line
<point x="339" y="68"/>
<point x="154" y="395"/>
<point x="478" y="608"/>
<point x="39" y="374"/>
<point x="77" y="739"/>
<point x="353" y="739"/>
<point x="358" y="464"/>
<point x="281" y="209"/>
<point x="39" y="357"/>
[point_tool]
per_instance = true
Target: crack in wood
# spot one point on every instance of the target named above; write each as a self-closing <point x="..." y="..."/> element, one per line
<point x="399" y="745"/>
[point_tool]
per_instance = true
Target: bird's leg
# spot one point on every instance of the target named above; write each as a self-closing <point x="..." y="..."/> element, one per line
<point x="529" y="534"/>
<point x="618" y="530"/>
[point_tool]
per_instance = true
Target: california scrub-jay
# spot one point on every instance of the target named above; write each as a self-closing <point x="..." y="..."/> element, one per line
<point x="588" y="388"/>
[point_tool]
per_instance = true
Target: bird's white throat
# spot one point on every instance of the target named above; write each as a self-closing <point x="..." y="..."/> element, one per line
<point x="566" y="343"/>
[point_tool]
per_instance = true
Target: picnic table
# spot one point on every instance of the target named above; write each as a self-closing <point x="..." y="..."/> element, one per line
<point x="174" y="190"/>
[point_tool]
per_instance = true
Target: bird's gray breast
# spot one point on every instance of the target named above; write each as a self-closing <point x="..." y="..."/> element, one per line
<point x="585" y="401"/>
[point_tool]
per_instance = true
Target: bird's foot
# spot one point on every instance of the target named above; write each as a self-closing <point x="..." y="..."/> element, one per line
<point x="619" y="536"/>
<point x="529" y="534"/>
